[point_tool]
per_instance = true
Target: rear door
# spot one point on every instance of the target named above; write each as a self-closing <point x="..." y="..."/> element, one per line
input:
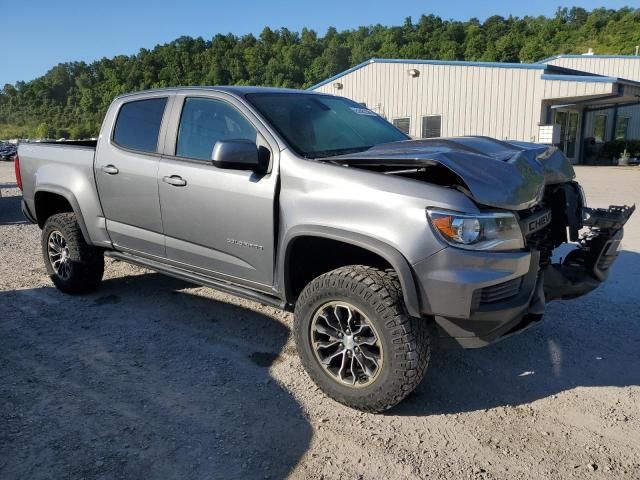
<point x="126" y="170"/>
<point x="219" y="222"/>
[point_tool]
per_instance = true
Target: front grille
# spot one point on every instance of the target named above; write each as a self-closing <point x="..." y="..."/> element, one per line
<point x="565" y="203"/>
<point x="543" y="242"/>
<point x="496" y="293"/>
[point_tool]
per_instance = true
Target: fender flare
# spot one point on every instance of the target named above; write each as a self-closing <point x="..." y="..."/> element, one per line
<point x="384" y="250"/>
<point x="69" y="197"/>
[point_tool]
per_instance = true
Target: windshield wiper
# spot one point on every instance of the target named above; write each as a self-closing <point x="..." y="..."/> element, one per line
<point x="337" y="151"/>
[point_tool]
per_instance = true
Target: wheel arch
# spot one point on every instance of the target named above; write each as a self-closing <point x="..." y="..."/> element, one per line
<point x="377" y="247"/>
<point x="52" y="199"/>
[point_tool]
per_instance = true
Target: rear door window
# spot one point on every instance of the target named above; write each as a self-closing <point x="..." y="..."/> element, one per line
<point x="204" y="122"/>
<point x="138" y="124"/>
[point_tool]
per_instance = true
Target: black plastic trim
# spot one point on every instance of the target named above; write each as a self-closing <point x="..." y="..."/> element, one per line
<point x="27" y="213"/>
<point x="75" y="206"/>
<point x="390" y="254"/>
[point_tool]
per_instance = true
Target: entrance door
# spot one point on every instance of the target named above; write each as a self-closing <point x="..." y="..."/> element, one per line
<point x="568" y="122"/>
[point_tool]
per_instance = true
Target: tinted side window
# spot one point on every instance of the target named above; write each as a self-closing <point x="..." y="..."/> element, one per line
<point x="205" y="121"/>
<point x="138" y="124"/>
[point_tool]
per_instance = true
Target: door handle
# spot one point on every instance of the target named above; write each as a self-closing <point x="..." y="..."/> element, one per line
<point x="175" y="180"/>
<point x="110" y="169"/>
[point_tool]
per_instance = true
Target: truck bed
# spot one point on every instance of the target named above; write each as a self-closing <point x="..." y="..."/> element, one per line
<point x="64" y="166"/>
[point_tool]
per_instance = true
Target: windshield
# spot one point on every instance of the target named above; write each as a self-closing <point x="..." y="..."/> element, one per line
<point x="317" y="126"/>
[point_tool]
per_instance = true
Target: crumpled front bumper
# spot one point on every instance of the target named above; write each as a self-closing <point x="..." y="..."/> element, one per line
<point x="481" y="297"/>
<point x="586" y="267"/>
<point x="478" y="297"/>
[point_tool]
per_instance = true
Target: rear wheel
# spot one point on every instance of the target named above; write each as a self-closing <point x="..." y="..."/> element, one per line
<point x="73" y="265"/>
<point x="356" y="340"/>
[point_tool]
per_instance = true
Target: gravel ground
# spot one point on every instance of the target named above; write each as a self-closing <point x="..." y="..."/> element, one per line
<point x="151" y="377"/>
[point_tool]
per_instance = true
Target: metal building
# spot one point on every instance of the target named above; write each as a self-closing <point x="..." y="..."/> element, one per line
<point x="430" y="98"/>
<point x="605" y="124"/>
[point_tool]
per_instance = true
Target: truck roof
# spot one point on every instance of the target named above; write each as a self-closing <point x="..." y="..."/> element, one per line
<point x="235" y="89"/>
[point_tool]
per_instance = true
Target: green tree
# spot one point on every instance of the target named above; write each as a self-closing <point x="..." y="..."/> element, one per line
<point x="44" y="131"/>
<point x="71" y="99"/>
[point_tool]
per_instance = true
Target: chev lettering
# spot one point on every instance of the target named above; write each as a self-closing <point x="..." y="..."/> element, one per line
<point x="539" y="222"/>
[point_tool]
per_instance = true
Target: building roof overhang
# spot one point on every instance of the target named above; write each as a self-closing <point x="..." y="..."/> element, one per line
<point x="548" y="72"/>
<point x="577" y="55"/>
<point x="620" y="95"/>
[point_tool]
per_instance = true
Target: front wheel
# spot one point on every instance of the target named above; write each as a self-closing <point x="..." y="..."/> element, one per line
<point x="73" y="265"/>
<point x="356" y="340"/>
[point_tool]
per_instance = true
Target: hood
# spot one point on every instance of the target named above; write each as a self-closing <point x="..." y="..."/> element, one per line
<point x="510" y="175"/>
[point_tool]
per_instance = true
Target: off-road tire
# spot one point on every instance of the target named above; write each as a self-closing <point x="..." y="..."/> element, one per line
<point x="86" y="261"/>
<point x="405" y="340"/>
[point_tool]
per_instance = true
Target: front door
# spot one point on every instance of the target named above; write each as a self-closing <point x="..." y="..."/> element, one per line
<point x="568" y="121"/>
<point x="126" y="171"/>
<point x="217" y="221"/>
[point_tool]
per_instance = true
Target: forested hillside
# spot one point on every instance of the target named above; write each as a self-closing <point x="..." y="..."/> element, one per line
<point x="70" y="100"/>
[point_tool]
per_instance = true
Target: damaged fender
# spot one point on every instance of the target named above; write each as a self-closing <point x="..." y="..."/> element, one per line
<point x="522" y="170"/>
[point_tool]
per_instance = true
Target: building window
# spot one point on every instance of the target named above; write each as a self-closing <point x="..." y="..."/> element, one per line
<point x="403" y="124"/>
<point x="622" y="124"/>
<point x="599" y="127"/>
<point x="431" y="126"/>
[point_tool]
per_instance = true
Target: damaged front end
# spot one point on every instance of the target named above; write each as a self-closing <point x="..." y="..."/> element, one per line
<point x="533" y="180"/>
<point x="597" y="235"/>
<point x="480" y="295"/>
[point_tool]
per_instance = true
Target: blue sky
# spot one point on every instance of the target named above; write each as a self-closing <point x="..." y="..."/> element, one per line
<point x="36" y="35"/>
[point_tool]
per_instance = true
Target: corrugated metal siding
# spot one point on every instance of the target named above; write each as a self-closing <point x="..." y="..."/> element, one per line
<point x="566" y="90"/>
<point x="621" y="67"/>
<point x="505" y="103"/>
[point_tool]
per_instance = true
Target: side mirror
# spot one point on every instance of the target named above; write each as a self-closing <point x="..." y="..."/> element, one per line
<point x="237" y="154"/>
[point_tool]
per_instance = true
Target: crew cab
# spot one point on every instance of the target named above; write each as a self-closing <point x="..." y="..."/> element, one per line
<point x="314" y="204"/>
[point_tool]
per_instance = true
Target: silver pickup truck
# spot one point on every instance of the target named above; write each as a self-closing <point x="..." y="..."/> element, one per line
<point x="313" y="203"/>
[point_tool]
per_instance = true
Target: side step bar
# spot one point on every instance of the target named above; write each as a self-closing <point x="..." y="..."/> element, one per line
<point x="191" y="277"/>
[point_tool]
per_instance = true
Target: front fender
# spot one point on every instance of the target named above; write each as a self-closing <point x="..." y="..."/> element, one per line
<point x="389" y="253"/>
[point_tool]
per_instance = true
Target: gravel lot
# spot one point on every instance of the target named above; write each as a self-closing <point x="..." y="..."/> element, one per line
<point x="150" y="377"/>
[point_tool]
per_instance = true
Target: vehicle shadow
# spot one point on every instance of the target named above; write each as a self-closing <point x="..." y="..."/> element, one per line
<point x="587" y="342"/>
<point x="10" y="212"/>
<point x="143" y="379"/>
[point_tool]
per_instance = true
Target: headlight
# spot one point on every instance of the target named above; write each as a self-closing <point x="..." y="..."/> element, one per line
<point x="482" y="231"/>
